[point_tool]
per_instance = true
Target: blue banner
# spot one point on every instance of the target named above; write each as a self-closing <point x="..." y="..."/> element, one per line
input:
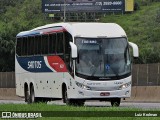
<point x="33" y="64"/>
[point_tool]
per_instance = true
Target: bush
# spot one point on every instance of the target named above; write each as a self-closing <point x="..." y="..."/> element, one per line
<point x="136" y="6"/>
<point x="158" y="16"/>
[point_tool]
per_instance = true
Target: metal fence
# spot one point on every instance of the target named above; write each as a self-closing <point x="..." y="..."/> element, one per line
<point x="7" y="80"/>
<point x="146" y="74"/>
<point x="142" y="75"/>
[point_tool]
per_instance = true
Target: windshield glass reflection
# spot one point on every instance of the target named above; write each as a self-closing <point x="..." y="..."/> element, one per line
<point x="102" y="57"/>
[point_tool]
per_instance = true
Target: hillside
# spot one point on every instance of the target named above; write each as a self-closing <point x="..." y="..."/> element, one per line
<point x="16" y="16"/>
<point x="141" y="26"/>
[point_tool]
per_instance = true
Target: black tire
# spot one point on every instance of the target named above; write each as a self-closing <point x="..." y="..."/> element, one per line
<point x="27" y="96"/>
<point x="32" y="95"/>
<point x="115" y="102"/>
<point x="63" y="95"/>
<point x="73" y="102"/>
<point x="79" y="103"/>
<point x="41" y="100"/>
<point x="66" y="100"/>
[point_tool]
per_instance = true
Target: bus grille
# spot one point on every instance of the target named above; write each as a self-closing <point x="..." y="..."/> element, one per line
<point x="104" y="88"/>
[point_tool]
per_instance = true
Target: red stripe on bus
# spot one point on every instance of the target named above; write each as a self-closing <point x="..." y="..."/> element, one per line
<point x="57" y="63"/>
<point x="55" y="31"/>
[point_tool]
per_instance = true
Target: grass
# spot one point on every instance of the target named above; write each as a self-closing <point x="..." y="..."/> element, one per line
<point x="142" y="27"/>
<point x="139" y="23"/>
<point x="85" y="112"/>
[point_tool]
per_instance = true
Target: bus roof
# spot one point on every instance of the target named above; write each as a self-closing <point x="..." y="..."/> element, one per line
<point x="79" y="30"/>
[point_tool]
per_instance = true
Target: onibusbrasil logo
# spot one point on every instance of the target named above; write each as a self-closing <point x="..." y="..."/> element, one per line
<point x="21" y="115"/>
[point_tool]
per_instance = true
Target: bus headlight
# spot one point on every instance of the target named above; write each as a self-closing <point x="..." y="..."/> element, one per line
<point x="126" y="85"/>
<point x="83" y="86"/>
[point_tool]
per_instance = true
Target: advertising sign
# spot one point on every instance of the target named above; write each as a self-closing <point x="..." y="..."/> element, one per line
<point x="54" y="6"/>
<point x="129" y="5"/>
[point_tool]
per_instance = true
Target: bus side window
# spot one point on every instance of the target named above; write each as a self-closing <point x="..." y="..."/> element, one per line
<point x="28" y="45"/>
<point x="24" y="46"/>
<point x="60" y="44"/>
<point x="52" y="43"/>
<point x="68" y="38"/>
<point x="37" y="45"/>
<point x="30" y="49"/>
<point x="45" y="44"/>
<point x="19" y="46"/>
<point x="22" y="50"/>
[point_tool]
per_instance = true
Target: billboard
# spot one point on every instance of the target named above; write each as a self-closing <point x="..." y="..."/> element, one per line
<point x="54" y="6"/>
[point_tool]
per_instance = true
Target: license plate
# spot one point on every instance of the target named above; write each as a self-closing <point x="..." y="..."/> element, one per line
<point x="104" y="94"/>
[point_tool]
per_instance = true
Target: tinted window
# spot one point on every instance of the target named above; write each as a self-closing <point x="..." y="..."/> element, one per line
<point x="45" y="44"/>
<point x="31" y="47"/>
<point x="37" y="45"/>
<point x="19" y="46"/>
<point x="68" y="38"/>
<point x="57" y="43"/>
<point x="52" y="44"/>
<point x="60" y="43"/>
<point x="24" y="46"/>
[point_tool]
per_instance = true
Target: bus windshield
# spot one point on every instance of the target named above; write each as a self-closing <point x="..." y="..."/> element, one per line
<point x="102" y="58"/>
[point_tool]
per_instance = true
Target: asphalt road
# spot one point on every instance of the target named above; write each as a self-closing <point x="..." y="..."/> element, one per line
<point x="97" y="104"/>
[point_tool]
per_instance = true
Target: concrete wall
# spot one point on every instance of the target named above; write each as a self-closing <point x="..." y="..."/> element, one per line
<point x="8" y="94"/>
<point x="145" y="94"/>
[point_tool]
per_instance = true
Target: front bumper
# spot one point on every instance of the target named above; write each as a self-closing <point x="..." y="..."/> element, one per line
<point x="89" y="94"/>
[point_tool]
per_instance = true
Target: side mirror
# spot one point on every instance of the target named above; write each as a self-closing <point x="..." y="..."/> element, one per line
<point x="73" y="50"/>
<point x="135" y="49"/>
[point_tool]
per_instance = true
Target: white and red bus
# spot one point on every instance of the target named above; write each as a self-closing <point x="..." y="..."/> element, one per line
<point x="74" y="62"/>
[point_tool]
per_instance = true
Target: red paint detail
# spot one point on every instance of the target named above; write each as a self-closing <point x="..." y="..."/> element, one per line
<point x="57" y="63"/>
<point x="54" y="30"/>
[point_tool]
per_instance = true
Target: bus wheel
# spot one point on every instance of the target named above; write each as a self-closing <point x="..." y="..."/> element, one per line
<point x="115" y="102"/>
<point x="27" y="96"/>
<point x="40" y="100"/>
<point x="32" y="95"/>
<point x="79" y="103"/>
<point x="66" y="100"/>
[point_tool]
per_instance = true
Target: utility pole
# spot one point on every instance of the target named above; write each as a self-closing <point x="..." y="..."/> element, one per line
<point x="64" y="19"/>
